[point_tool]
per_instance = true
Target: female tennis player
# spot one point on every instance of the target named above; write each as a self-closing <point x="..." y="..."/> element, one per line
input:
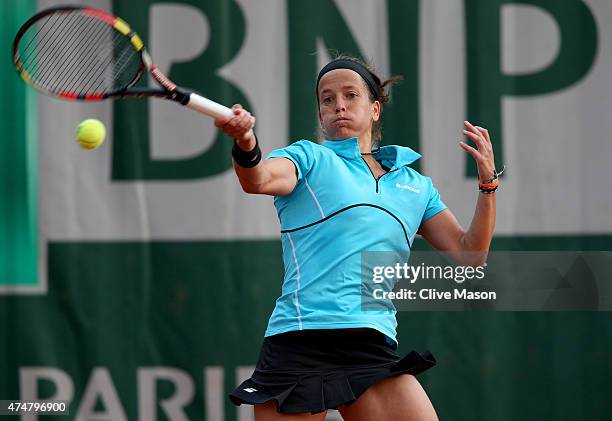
<point x="336" y="199"/>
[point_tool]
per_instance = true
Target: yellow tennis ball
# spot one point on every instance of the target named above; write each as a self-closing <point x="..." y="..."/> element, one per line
<point x="90" y="133"/>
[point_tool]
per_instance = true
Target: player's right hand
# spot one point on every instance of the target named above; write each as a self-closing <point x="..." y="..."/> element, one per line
<point x="239" y="127"/>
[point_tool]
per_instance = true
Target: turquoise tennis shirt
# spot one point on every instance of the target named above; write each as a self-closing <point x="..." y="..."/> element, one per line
<point x="337" y="211"/>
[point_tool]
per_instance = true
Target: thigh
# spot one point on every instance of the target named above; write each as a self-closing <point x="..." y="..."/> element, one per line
<point x="400" y="398"/>
<point x="267" y="412"/>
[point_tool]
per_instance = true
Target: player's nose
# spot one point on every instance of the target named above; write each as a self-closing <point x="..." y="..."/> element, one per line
<point x="340" y="105"/>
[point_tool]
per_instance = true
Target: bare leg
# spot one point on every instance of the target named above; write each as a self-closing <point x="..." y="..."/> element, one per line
<point x="398" y="398"/>
<point x="267" y="412"/>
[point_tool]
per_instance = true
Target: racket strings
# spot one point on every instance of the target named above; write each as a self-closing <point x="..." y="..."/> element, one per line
<point x="47" y="48"/>
<point x="122" y="62"/>
<point x="30" y="43"/>
<point x="33" y="59"/>
<point x="61" y="51"/>
<point x="106" y="52"/>
<point x="76" y="63"/>
<point x="53" y="60"/>
<point x="116" y="75"/>
<point x="82" y="61"/>
<point x="73" y="53"/>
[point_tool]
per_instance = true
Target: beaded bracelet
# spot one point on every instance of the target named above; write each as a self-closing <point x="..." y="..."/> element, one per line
<point x="488" y="191"/>
<point x="489" y="186"/>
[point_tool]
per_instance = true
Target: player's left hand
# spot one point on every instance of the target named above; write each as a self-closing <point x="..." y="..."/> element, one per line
<point x="483" y="153"/>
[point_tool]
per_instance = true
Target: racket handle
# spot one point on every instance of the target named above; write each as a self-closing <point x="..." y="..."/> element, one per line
<point x="208" y="107"/>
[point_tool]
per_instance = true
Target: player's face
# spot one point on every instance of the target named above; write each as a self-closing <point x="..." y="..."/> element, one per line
<point x="345" y="109"/>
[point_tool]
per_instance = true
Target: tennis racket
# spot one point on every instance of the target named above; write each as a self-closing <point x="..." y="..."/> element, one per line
<point x="86" y="54"/>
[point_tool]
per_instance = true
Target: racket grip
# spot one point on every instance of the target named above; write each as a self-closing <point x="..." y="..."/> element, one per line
<point x="208" y="107"/>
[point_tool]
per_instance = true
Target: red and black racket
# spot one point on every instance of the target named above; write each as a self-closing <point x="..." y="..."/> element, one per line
<point x="86" y="54"/>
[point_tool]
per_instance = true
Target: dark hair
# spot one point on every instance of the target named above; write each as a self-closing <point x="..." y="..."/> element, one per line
<point x="384" y="89"/>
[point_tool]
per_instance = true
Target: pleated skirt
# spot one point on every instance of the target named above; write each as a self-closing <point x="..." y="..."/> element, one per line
<point x="318" y="369"/>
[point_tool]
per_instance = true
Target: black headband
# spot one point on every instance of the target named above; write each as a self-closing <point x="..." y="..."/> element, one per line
<point x="357" y="68"/>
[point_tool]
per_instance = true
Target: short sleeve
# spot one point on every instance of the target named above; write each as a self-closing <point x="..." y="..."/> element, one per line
<point x="300" y="153"/>
<point x="434" y="204"/>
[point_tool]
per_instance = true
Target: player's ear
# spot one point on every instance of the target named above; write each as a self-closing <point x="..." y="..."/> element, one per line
<point x="376" y="110"/>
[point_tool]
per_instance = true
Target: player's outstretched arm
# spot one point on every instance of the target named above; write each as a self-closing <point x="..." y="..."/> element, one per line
<point x="443" y="230"/>
<point x="275" y="177"/>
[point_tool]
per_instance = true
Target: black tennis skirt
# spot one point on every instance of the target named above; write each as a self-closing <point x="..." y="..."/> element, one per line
<point x="318" y="369"/>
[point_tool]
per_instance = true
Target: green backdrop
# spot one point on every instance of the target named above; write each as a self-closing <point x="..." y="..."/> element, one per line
<point x="194" y="305"/>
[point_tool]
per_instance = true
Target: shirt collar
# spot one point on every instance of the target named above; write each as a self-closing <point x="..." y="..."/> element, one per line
<point x="390" y="156"/>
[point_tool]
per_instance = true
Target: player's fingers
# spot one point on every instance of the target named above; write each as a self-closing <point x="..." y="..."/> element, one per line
<point x="246" y="124"/>
<point x="470" y="126"/>
<point x="228" y="128"/>
<point x="246" y="118"/>
<point x="473" y="129"/>
<point x="481" y="132"/>
<point x="485" y="133"/>
<point x="221" y="121"/>
<point x="469" y="150"/>
<point x="249" y="124"/>
<point x="242" y="126"/>
<point x="236" y="120"/>
<point x="478" y="139"/>
<point x="241" y="120"/>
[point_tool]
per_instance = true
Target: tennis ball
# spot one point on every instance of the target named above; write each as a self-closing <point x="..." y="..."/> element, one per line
<point x="90" y="133"/>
